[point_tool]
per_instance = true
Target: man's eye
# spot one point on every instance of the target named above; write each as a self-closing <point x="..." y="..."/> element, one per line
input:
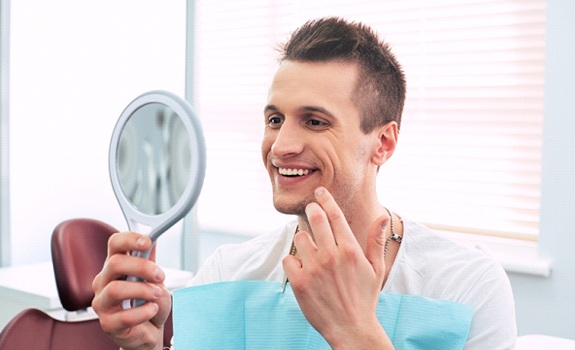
<point x="316" y="123"/>
<point x="274" y="120"/>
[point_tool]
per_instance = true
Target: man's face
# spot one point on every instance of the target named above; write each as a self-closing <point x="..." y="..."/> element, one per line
<point x="312" y="135"/>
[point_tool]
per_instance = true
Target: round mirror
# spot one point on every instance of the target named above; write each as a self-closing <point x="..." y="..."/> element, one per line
<point x="157" y="161"/>
<point x="153" y="159"/>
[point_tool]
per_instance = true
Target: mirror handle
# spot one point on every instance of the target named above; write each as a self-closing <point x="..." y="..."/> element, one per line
<point x="128" y="304"/>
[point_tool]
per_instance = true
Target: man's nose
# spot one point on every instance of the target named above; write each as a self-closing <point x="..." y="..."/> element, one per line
<point x="289" y="140"/>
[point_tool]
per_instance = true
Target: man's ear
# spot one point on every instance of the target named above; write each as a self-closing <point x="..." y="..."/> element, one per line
<point x="385" y="144"/>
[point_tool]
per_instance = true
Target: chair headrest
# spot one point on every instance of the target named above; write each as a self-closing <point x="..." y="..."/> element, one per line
<point x="79" y="250"/>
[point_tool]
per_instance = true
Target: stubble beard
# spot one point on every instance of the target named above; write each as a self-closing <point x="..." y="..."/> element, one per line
<point x="291" y="208"/>
<point x="343" y="198"/>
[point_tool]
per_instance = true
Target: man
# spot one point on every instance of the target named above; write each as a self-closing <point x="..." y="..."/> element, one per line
<point x="331" y="121"/>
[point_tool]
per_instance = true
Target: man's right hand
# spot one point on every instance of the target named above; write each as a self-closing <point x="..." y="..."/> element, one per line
<point x="141" y="327"/>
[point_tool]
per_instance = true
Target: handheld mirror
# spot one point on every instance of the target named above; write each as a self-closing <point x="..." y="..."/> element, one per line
<point x="157" y="162"/>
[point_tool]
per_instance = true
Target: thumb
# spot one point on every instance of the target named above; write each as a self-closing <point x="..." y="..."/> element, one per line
<point x="375" y="246"/>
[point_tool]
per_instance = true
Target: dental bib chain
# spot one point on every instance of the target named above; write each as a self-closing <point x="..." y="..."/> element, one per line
<point x="393" y="237"/>
<point x="293" y="249"/>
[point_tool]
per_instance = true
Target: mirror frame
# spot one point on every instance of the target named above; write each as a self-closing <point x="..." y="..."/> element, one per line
<point x="161" y="222"/>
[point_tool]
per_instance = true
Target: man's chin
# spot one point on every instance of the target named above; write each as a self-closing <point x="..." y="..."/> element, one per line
<point x="291" y="208"/>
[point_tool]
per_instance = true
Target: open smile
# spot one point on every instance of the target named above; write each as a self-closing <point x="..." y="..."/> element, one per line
<point x="295" y="172"/>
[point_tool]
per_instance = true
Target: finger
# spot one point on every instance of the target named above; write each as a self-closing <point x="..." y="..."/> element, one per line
<point x="375" y="246"/>
<point x="124" y="242"/>
<point x="150" y="292"/>
<point x="292" y="266"/>
<point x="120" y="265"/>
<point x="126" y="319"/>
<point x="321" y="228"/>
<point x="137" y="267"/>
<point x="341" y="231"/>
<point x="116" y="292"/>
<point x="304" y="244"/>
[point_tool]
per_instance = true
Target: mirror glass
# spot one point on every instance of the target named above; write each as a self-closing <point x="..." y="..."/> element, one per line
<point x="154" y="158"/>
<point x="157" y="161"/>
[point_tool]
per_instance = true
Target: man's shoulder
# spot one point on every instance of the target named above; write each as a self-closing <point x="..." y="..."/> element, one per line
<point x="258" y="258"/>
<point x="431" y="263"/>
<point x="262" y="243"/>
<point x="425" y="246"/>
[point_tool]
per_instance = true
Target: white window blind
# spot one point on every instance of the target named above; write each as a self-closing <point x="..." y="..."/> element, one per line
<point x="469" y="150"/>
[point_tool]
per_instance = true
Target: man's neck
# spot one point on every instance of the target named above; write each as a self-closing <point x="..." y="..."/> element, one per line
<point x="359" y="223"/>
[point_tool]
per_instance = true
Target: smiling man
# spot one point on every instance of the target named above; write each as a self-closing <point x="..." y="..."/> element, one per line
<point x="331" y="121"/>
<point x="313" y="131"/>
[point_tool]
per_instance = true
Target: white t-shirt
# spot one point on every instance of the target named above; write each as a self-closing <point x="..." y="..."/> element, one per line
<point x="427" y="264"/>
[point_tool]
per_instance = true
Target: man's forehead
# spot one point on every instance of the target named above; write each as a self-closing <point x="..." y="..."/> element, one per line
<point x="319" y="67"/>
<point x="315" y="78"/>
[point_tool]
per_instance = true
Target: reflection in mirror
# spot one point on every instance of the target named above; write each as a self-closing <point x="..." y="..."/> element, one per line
<point x="153" y="158"/>
<point x="157" y="161"/>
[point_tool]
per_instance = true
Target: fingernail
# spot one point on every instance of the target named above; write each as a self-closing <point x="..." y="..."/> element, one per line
<point x="159" y="274"/>
<point x="156" y="307"/>
<point x="157" y="291"/>
<point x="319" y="191"/>
<point x="141" y="242"/>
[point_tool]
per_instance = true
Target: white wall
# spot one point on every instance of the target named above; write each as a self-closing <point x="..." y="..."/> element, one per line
<point x="74" y="66"/>
<point x="547" y="305"/>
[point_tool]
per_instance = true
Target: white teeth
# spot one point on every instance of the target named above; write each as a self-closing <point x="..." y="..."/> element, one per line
<point x="293" y="172"/>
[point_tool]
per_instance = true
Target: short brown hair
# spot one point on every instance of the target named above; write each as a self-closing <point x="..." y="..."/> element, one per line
<point x="380" y="89"/>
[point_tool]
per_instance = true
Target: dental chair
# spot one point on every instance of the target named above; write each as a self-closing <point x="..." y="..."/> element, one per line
<point x="79" y="250"/>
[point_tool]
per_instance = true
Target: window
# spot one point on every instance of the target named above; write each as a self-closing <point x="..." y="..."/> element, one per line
<point x="469" y="151"/>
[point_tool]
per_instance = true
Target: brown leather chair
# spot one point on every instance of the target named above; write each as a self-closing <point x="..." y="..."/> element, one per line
<point x="79" y="249"/>
<point x="33" y="329"/>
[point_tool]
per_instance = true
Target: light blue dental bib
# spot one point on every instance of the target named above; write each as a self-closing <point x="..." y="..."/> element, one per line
<point x="255" y="315"/>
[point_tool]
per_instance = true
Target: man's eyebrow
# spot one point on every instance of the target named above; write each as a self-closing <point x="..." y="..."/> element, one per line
<point x="308" y="109"/>
<point x="272" y="108"/>
<point x="304" y="109"/>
